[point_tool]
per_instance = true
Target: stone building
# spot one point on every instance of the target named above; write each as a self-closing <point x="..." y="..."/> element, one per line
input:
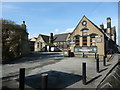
<point x="41" y="42"/>
<point x="56" y="43"/>
<point x="62" y="40"/>
<point x="90" y="39"/>
<point x="86" y="37"/>
<point x="24" y="42"/>
<point x="14" y="40"/>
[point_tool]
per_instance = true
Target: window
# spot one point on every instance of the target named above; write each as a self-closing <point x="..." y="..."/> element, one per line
<point x="92" y="39"/>
<point x="84" y="40"/>
<point x="93" y="42"/>
<point x="84" y="34"/>
<point x="77" y="41"/>
<point x="38" y="45"/>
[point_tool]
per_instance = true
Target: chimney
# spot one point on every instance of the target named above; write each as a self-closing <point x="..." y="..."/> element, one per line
<point x="23" y="22"/>
<point x="109" y="26"/>
<point x="108" y="22"/>
<point x="51" y="38"/>
<point x="102" y="26"/>
<point x="24" y="26"/>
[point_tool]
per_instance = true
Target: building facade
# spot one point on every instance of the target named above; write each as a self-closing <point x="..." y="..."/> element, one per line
<point x="90" y="39"/>
<point x="14" y="40"/>
<point x="58" y="41"/>
<point x="86" y="38"/>
<point x="41" y="42"/>
<point x="62" y="41"/>
<point x="25" y="48"/>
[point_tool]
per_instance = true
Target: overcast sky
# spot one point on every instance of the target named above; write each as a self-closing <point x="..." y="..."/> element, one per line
<point x="58" y="17"/>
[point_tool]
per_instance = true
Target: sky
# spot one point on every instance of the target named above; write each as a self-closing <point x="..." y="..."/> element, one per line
<point x="58" y="17"/>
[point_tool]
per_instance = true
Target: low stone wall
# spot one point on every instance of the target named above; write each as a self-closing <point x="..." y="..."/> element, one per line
<point x="112" y="79"/>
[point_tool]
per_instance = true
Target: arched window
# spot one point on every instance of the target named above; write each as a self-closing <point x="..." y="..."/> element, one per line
<point x="84" y="34"/>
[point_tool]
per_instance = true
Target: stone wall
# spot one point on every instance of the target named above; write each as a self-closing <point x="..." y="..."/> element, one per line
<point x="112" y="79"/>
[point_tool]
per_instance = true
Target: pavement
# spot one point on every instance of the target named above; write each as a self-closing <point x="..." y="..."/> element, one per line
<point x="63" y="72"/>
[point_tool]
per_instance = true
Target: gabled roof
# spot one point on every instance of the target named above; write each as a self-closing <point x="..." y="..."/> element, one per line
<point x="89" y="21"/>
<point x="95" y="25"/>
<point x="102" y="31"/>
<point x="45" y="38"/>
<point x="61" y="37"/>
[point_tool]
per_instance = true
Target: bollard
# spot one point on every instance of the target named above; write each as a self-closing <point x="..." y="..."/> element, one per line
<point x="84" y="73"/>
<point x="22" y="79"/>
<point x="104" y="60"/>
<point x="83" y="55"/>
<point x="97" y="63"/>
<point x="95" y="55"/>
<point x="44" y="81"/>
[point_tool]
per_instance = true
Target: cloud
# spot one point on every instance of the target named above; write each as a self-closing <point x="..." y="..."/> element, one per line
<point x="33" y="35"/>
<point x="68" y="30"/>
<point x="57" y="31"/>
<point x="105" y="25"/>
<point x="48" y="34"/>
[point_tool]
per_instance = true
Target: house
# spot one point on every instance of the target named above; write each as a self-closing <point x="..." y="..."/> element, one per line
<point x="41" y="42"/>
<point x="46" y="43"/>
<point x="90" y="39"/>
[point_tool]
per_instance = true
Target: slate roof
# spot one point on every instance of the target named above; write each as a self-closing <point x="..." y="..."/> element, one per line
<point x="60" y="37"/>
<point x="45" y="38"/>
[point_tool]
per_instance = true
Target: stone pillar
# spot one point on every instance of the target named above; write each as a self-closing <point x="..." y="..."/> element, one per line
<point x="88" y="41"/>
<point x="80" y="41"/>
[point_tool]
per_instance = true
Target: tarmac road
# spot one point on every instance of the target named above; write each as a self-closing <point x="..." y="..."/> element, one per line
<point x="31" y="61"/>
<point x="64" y="72"/>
